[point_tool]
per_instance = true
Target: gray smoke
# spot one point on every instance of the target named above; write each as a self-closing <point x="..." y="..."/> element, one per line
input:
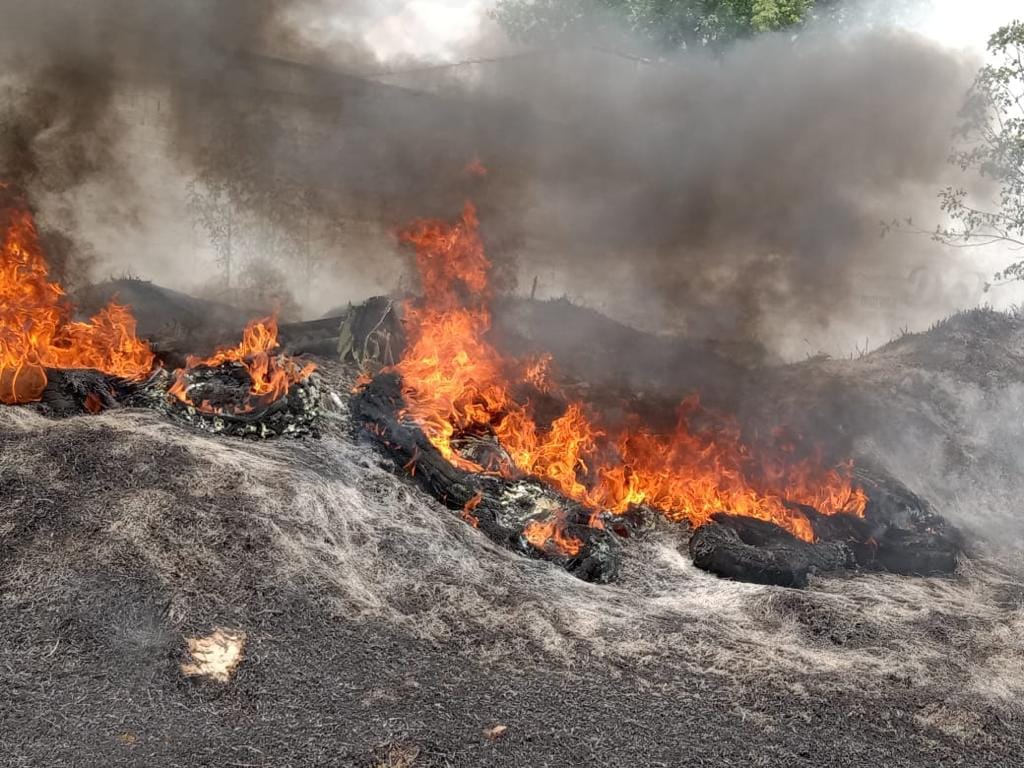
<point x="738" y="196"/>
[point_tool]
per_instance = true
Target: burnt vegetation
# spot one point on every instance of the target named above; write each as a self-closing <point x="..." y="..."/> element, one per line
<point x="458" y="524"/>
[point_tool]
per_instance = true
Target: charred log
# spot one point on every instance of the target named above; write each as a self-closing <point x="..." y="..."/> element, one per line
<point x="898" y="534"/>
<point x="908" y="537"/>
<point x="504" y="510"/>
<point x="761" y="552"/>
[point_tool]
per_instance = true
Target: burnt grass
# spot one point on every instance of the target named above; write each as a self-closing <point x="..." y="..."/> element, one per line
<point x="399" y="638"/>
<point x="318" y="690"/>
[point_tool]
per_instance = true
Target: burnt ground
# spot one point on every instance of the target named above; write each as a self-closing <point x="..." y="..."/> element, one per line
<point x="385" y="632"/>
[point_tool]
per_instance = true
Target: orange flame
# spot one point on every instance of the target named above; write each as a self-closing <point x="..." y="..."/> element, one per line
<point x="455" y="382"/>
<point x="272" y="375"/>
<point x="36" y="329"/>
<point x="469" y="507"/>
<point x="537" y="372"/>
<point x="544" y="534"/>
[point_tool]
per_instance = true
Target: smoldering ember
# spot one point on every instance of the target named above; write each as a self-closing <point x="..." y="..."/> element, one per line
<point x="510" y="383"/>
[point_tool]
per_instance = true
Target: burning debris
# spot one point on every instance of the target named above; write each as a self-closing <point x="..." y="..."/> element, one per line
<point x="518" y="514"/>
<point x="502" y="441"/>
<point x="898" y="533"/>
<point x="38" y="334"/>
<point x="73" y="367"/>
<point x="536" y="470"/>
<point x="248" y="390"/>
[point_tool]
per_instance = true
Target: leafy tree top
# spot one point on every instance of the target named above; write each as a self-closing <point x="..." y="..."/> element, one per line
<point x="992" y="143"/>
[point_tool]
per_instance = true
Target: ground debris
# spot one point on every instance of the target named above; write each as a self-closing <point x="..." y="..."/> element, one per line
<point x="496" y="732"/>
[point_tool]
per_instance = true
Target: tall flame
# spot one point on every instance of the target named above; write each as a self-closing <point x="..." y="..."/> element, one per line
<point x="272" y="375"/>
<point x="456" y="383"/>
<point x="36" y="329"/>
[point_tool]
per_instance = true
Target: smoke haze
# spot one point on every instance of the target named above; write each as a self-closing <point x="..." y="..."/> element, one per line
<point x="738" y="197"/>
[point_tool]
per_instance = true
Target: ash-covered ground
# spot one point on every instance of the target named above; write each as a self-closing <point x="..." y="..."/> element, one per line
<point x="384" y="631"/>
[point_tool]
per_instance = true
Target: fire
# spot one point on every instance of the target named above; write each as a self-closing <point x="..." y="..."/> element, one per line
<point x="271" y="375"/>
<point x="456" y="383"/>
<point x="544" y="534"/>
<point x="467" y="510"/>
<point x="36" y="329"/>
<point x="538" y="373"/>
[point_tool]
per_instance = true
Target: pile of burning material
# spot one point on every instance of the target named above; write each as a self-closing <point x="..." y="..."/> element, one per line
<point x="45" y="355"/>
<point x="250" y="390"/>
<point x="482" y="432"/>
<point x="518" y="514"/>
<point x="70" y="366"/>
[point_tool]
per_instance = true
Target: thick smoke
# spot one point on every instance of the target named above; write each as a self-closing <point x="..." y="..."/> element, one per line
<point x="66" y="60"/>
<point x="738" y="196"/>
<point x="743" y="196"/>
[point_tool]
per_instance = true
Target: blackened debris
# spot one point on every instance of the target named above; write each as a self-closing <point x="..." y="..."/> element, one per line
<point x="225" y="406"/>
<point x="898" y="534"/>
<point x="72" y="392"/>
<point x="502" y="509"/>
<point x="761" y="552"/>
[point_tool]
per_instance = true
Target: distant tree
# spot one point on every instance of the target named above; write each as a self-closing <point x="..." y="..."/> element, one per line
<point x="671" y="24"/>
<point x="229" y="184"/>
<point x="255" y="210"/>
<point x="313" y="231"/>
<point x="213" y="210"/>
<point x="992" y="143"/>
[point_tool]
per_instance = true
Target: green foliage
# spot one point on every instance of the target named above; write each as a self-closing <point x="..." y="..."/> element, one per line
<point x="992" y="143"/>
<point x="671" y="24"/>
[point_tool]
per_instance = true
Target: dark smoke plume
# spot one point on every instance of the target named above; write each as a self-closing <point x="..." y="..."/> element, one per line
<point x="754" y="184"/>
<point x="743" y="192"/>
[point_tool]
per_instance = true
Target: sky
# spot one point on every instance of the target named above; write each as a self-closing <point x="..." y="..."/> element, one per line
<point x="433" y="28"/>
<point x="963" y="23"/>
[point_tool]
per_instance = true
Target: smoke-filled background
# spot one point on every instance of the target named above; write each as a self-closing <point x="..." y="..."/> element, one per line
<point x="264" y="151"/>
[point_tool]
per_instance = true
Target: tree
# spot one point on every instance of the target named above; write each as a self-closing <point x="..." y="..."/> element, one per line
<point x="212" y="209"/>
<point x="256" y="211"/>
<point x="671" y="24"/>
<point x="992" y="143"/>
